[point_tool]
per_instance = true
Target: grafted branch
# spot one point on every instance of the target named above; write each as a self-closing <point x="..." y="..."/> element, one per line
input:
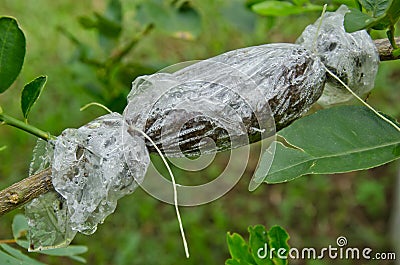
<point x="33" y="186"/>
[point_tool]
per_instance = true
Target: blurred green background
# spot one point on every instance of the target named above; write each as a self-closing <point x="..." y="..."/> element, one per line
<point x="315" y="210"/>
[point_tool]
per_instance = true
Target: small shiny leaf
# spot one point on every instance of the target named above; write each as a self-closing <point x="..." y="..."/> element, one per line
<point x="259" y="239"/>
<point x="12" y="51"/>
<point x="31" y="93"/>
<point x="377" y="7"/>
<point x="239" y="249"/>
<point x="356" y="20"/>
<point x="278" y="240"/>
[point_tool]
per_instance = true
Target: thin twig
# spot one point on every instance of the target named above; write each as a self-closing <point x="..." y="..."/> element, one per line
<point x="31" y="187"/>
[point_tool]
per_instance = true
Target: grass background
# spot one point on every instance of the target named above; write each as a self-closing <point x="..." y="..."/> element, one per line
<point x="315" y="210"/>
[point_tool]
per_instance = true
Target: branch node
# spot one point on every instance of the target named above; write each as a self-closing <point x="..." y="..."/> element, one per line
<point x="13" y="197"/>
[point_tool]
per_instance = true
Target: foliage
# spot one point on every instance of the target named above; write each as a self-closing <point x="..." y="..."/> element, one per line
<point x="378" y="15"/>
<point x="284" y="8"/>
<point x="289" y="7"/>
<point x="353" y="139"/>
<point x="265" y="247"/>
<point x="31" y="93"/>
<point x="12" y="256"/>
<point x="313" y="148"/>
<point x="12" y="51"/>
<point x="364" y="14"/>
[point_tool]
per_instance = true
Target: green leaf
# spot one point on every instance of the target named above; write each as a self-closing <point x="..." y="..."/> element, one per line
<point x="280" y="8"/>
<point x="31" y="93"/>
<point x="23" y="243"/>
<point x="70" y="251"/>
<point x="301" y="2"/>
<point x="394" y="11"/>
<point x="396" y="53"/>
<point x="390" y="18"/>
<point x="21" y="257"/>
<point x="19" y="226"/>
<point x="278" y="240"/>
<point x="78" y="258"/>
<point x="12" y="51"/>
<point x="2" y="148"/>
<point x="6" y="259"/>
<point x="239" y="249"/>
<point x="356" y="20"/>
<point x="385" y="13"/>
<point x="259" y="239"/>
<point x="377" y="7"/>
<point x="335" y="140"/>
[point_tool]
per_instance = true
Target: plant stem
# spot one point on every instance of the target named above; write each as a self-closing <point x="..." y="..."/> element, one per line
<point x="8" y="120"/>
<point x="390" y="34"/>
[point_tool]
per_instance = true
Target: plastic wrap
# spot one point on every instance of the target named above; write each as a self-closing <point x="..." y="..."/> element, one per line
<point x="92" y="167"/>
<point x="235" y="95"/>
<point x="48" y="219"/>
<point x="351" y="56"/>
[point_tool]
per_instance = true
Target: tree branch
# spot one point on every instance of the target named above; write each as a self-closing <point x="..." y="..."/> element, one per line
<point x="385" y="49"/>
<point x="24" y="191"/>
<point x="31" y="187"/>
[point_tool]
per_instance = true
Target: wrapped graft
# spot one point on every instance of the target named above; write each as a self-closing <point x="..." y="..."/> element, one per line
<point x="351" y="56"/>
<point x="92" y="167"/>
<point x="241" y="94"/>
<point x="236" y="98"/>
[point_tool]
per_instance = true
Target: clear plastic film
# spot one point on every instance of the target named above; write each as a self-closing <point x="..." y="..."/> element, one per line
<point x="47" y="215"/>
<point x="90" y="172"/>
<point x="256" y="87"/>
<point x="351" y="56"/>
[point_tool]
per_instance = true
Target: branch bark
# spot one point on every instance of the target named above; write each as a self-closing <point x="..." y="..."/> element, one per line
<point x="33" y="186"/>
<point x="385" y="49"/>
<point x="27" y="189"/>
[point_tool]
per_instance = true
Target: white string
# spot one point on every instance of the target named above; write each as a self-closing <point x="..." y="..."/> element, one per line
<point x="318" y="28"/>
<point x="185" y="245"/>
<point x="95" y="104"/>
<point x="362" y="101"/>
